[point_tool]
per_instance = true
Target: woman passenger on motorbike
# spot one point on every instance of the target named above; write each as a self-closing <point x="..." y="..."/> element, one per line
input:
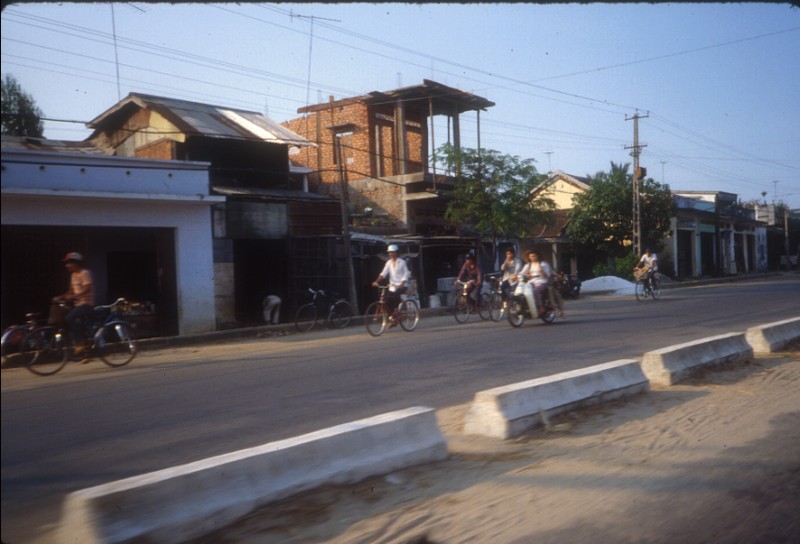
<point x="535" y="275"/>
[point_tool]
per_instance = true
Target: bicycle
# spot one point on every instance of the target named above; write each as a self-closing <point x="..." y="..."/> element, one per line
<point x="377" y="318"/>
<point x="47" y="348"/>
<point x="337" y="311"/>
<point x="643" y="288"/>
<point x="492" y="299"/>
<point x="463" y="305"/>
<point x="11" y="342"/>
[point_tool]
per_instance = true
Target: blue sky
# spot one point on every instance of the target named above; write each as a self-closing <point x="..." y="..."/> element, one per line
<point x="719" y="83"/>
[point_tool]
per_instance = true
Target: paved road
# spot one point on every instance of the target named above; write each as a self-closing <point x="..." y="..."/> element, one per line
<point x="91" y="424"/>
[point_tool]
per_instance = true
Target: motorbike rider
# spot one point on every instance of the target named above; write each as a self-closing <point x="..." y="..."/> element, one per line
<point x="510" y="268"/>
<point x="535" y="277"/>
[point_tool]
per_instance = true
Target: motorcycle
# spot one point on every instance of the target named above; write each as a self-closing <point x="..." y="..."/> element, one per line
<point x="521" y="302"/>
<point x="569" y="285"/>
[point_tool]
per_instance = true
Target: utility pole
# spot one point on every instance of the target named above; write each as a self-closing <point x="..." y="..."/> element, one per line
<point x="549" y="164"/>
<point x="638" y="174"/>
<point x="343" y="194"/>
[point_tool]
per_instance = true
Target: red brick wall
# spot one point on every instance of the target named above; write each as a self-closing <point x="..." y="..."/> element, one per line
<point x="365" y="154"/>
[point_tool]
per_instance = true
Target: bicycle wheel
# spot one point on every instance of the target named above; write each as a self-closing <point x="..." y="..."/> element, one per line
<point x="11" y="342"/>
<point x="485" y="307"/>
<point x="376" y="319"/>
<point x="516" y="312"/>
<point x="45" y="351"/>
<point x="115" y="344"/>
<point x="496" y="307"/>
<point x="340" y="315"/>
<point x="306" y="317"/>
<point x="461" y="308"/>
<point x="656" y="290"/>
<point x="641" y="292"/>
<point x="408" y="315"/>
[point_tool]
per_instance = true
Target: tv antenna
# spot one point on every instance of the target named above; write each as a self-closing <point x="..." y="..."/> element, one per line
<point x="310" y="18"/>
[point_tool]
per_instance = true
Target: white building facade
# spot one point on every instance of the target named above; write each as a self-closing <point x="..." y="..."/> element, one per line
<point x="144" y="226"/>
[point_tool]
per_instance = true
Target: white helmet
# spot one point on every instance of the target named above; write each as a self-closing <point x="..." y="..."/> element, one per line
<point x="392" y="247"/>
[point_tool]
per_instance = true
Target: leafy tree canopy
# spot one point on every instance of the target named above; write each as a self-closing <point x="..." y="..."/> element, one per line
<point x="492" y="192"/>
<point x="602" y="217"/>
<point x="20" y="116"/>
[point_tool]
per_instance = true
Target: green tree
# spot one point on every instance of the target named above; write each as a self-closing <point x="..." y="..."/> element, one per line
<point x="492" y="193"/>
<point x="20" y="116"/>
<point x="602" y="217"/>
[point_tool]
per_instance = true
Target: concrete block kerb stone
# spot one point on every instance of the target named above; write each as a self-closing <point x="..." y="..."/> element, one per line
<point x="673" y="364"/>
<point x="187" y="501"/>
<point x="773" y="337"/>
<point x="503" y="412"/>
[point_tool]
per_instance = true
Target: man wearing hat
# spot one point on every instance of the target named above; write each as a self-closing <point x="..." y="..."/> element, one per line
<point x="397" y="272"/>
<point x="81" y="295"/>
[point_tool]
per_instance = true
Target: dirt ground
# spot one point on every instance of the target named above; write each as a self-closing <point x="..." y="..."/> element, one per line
<point x="713" y="459"/>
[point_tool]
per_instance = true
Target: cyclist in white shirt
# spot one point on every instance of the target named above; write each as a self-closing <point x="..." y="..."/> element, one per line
<point x="397" y="272"/>
<point x="650" y="262"/>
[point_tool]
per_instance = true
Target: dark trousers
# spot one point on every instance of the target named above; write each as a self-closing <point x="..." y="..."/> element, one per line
<point x="75" y="319"/>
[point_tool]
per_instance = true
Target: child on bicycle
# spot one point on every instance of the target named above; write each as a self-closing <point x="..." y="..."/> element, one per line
<point x="471" y="272"/>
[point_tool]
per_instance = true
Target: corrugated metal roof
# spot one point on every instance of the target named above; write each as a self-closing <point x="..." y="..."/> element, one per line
<point x="195" y="118"/>
<point x="43" y="144"/>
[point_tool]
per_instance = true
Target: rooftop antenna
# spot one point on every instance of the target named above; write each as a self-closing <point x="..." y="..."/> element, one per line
<point x="116" y="54"/>
<point x="549" y="164"/>
<point x="310" y="18"/>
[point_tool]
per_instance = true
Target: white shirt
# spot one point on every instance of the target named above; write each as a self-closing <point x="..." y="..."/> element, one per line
<point x="537" y="271"/>
<point x="397" y="270"/>
<point x="651" y="261"/>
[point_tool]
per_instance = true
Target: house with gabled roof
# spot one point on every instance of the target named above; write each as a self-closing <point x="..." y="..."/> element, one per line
<point x="550" y="239"/>
<point x="271" y="235"/>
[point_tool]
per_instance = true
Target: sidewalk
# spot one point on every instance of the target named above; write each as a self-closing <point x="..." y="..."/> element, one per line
<point x="714" y="459"/>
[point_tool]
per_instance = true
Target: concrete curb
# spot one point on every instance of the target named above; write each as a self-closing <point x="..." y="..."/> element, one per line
<point x="773" y="337"/>
<point x="187" y="501"/>
<point x="672" y="364"/>
<point x="503" y="412"/>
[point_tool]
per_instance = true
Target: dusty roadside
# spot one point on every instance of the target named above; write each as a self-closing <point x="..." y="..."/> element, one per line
<point x="714" y="459"/>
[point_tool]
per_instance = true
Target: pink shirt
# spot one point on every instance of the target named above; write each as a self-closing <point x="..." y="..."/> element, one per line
<point x="81" y="285"/>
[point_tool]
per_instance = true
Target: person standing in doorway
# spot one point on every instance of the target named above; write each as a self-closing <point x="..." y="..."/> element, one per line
<point x="271" y="308"/>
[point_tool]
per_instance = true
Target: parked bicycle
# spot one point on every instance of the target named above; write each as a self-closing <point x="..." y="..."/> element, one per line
<point x="47" y="348"/>
<point x="378" y="318"/>
<point x="644" y="288"/>
<point x="464" y="304"/>
<point x="492" y="298"/>
<point x="324" y="306"/>
<point x="11" y="342"/>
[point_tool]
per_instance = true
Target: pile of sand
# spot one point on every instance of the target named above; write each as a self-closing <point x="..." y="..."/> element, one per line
<point x="608" y="284"/>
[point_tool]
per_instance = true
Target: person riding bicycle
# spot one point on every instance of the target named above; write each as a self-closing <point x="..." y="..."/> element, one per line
<point x="471" y="272"/>
<point x="510" y="268"/>
<point x="535" y="277"/>
<point x="81" y="295"/>
<point x="650" y="262"/>
<point x="397" y="272"/>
